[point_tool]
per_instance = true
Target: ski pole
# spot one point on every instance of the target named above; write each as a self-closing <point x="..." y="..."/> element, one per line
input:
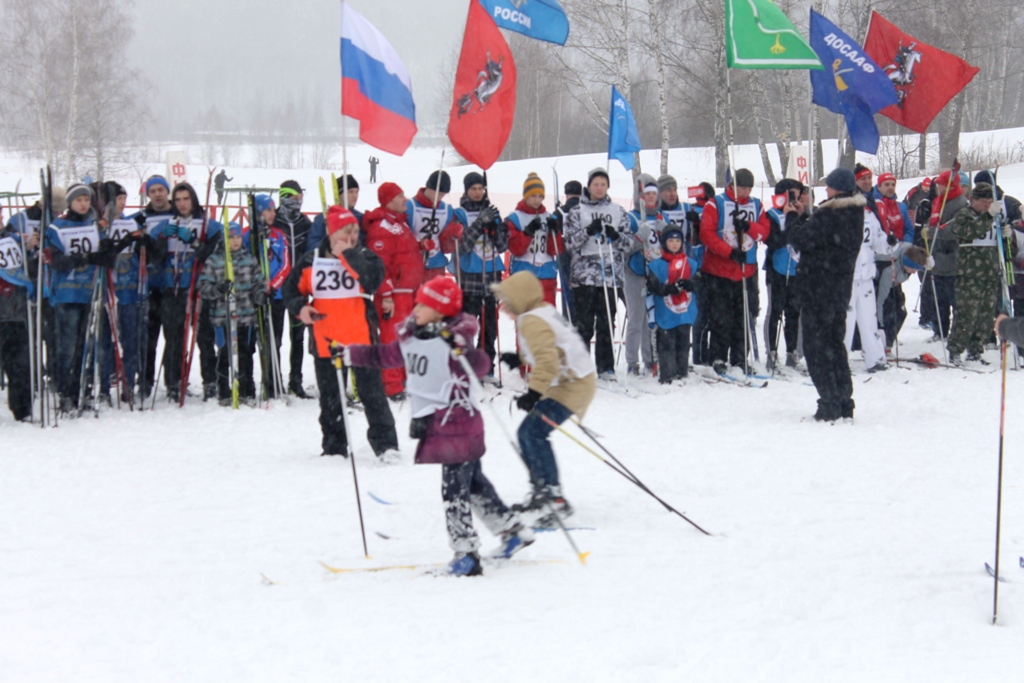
<point x="624" y="470"/>
<point x="475" y="382"/>
<point x="999" y="485"/>
<point x="607" y="305"/>
<point x="340" y="373"/>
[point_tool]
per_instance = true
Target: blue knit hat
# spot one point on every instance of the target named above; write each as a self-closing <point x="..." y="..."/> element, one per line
<point x="157" y="180"/>
<point x="234" y="229"/>
<point x="263" y="202"/>
<point x="668" y="234"/>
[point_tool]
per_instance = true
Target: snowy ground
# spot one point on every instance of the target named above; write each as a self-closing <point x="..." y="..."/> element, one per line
<point x="133" y="545"/>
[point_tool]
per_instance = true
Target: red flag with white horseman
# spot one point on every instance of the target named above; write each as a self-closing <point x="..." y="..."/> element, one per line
<point x="484" y="102"/>
<point x="926" y="78"/>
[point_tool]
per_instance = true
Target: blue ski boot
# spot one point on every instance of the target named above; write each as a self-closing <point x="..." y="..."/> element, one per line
<point x="465" y="564"/>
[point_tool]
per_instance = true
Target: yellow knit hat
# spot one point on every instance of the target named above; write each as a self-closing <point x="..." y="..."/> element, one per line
<point x="533" y="185"/>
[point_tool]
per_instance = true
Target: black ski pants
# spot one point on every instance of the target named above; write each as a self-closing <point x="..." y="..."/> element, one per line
<point x="725" y="311"/>
<point x="296" y="353"/>
<point x="592" y="318"/>
<point x="71" y="323"/>
<point x="246" y="349"/>
<point x="783" y="303"/>
<point x="485" y="310"/>
<point x="381" y="433"/>
<point x="465" y="489"/>
<point x="14" y="363"/>
<point x="673" y="353"/>
<point x="823" y="315"/>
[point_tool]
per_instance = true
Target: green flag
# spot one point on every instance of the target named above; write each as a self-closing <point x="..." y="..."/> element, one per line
<point x="758" y="35"/>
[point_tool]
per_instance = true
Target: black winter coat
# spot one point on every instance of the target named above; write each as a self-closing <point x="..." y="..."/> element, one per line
<point x="829" y="242"/>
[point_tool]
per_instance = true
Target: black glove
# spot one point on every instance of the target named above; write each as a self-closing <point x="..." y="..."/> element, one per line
<point x="891" y="239"/>
<point x="448" y="337"/>
<point x="337" y="351"/>
<point x="685" y="285"/>
<point x="271" y="292"/>
<point x="611" y="233"/>
<point x="741" y="224"/>
<point x="595" y="227"/>
<point x="527" y="401"/>
<point x="125" y="242"/>
<point x="673" y="288"/>
<point x="485" y="216"/>
<point x="532" y="227"/>
<point x="739" y="256"/>
<point x="512" y="360"/>
<point x="693" y="217"/>
<point x="206" y="250"/>
<point x="554" y="225"/>
<point x="923" y="213"/>
<point x="225" y="286"/>
<point x="419" y="426"/>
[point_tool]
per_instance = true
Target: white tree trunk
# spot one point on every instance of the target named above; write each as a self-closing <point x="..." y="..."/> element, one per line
<point x="70" y="172"/>
<point x="659" y="62"/>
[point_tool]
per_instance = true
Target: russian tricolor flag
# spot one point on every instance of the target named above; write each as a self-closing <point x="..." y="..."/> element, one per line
<point x="375" y="85"/>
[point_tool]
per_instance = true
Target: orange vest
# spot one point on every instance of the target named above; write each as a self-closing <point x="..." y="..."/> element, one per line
<point x="336" y="291"/>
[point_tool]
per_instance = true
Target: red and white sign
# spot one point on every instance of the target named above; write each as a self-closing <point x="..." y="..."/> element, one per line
<point x="176" y="168"/>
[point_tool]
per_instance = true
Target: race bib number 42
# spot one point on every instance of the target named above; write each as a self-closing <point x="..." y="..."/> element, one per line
<point x="331" y="280"/>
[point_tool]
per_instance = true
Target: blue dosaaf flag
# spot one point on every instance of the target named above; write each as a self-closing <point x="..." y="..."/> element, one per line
<point x="852" y="84"/>
<point x="540" y="19"/>
<point x="623" y="138"/>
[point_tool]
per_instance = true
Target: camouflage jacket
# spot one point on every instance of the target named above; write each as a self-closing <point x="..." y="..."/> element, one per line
<point x="978" y="256"/>
<point x="590" y="252"/>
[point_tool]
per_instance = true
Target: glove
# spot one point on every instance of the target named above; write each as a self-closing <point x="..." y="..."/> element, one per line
<point x="271" y="292"/>
<point x="206" y="250"/>
<point x="225" y="286"/>
<point x="185" y="234"/>
<point x="1007" y="232"/>
<point x="450" y="339"/>
<point x="124" y="242"/>
<point x="673" y="288"/>
<point x="923" y="213"/>
<point x="170" y="230"/>
<point x="487" y="215"/>
<point x="739" y="256"/>
<point x="554" y="226"/>
<point x="527" y="401"/>
<point x="741" y="224"/>
<point x="337" y="351"/>
<point x="891" y="240"/>
<point x="595" y="227"/>
<point x="419" y="426"/>
<point x="929" y="263"/>
<point x="693" y="217"/>
<point x="685" y="285"/>
<point x="512" y="360"/>
<point x="531" y="229"/>
<point x="427" y="244"/>
<point x="611" y="233"/>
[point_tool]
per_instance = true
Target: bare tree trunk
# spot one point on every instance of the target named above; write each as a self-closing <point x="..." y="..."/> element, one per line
<point x="70" y="171"/>
<point x="819" y="154"/>
<point x="922" y="153"/>
<point x="659" y="61"/>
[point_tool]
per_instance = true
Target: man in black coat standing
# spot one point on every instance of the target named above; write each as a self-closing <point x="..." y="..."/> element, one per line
<point x="828" y="243"/>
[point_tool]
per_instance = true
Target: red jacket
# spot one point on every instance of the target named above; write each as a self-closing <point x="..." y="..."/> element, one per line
<point x="519" y="242"/>
<point x="389" y="236"/>
<point x="718" y="255"/>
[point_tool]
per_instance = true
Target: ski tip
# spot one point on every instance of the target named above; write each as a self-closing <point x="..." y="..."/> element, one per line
<point x="583" y="557"/>
<point x="266" y="580"/>
<point x="377" y="498"/>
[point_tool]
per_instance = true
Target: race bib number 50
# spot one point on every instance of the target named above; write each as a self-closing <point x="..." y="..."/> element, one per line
<point x="82" y="239"/>
<point x="331" y="280"/>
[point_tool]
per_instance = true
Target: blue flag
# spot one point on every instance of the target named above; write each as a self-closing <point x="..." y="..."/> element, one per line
<point x="540" y="19"/>
<point x="852" y="84"/>
<point x="623" y="138"/>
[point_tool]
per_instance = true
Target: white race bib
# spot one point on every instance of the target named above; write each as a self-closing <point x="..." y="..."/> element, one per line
<point x="331" y="280"/>
<point x="426" y="223"/>
<point x="429" y="379"/>
<point x="596" y="244"/>
<point x="80" y="239"/>
<point x="10" y="254"/>
<point x="120" y="228"/>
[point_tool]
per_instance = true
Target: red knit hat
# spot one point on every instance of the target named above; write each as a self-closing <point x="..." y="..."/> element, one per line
<point x="387" y="192"/>
<point x="882" y="177"/>
<point x="338" y="217"/>
<point x="441" y="294"/>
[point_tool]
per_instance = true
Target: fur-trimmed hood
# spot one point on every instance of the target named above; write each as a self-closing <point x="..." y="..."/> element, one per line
<point x="844" y="201"/>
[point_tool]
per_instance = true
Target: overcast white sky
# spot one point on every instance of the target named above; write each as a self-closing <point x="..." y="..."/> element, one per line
<point x="226" y="46"/>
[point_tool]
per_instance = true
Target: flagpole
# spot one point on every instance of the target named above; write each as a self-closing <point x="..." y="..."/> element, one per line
<point x="728" y="99"/>
<point x="344" y="142"/>
<point x="810" y="154"/>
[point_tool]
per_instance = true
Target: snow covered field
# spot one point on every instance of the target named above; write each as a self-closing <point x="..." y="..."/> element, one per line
<point x="132" y="547"/>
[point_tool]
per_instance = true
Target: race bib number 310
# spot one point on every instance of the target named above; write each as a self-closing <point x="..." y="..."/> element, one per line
<point x="331" y="280"/>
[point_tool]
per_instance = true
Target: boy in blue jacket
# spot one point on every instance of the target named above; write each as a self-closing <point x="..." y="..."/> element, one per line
<point x="670" y="283"/>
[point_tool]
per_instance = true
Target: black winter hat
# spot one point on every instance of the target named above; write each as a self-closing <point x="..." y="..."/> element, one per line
<point x="472" y="178"/>
<point x="984" y="177"/>
<point x="982" y="191"/>
<point x="341" y="180"/>
<point x="294" y="184"/>
<point x="787" y="184"/>
<point x="446" y="182"/>
<point x="744" y="178"/>
<point x="668" y="233"/>
<point x="842" y="180"/>
<point x="574" y="187"/>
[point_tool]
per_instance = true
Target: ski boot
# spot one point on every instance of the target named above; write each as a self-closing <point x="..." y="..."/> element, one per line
<point x="465" y="564"/>
<point x="514" y="539"/>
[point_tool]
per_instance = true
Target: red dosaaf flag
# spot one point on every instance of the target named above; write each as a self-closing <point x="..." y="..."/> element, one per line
<point x="484" y="104"/>
<point x="926" y="78"/>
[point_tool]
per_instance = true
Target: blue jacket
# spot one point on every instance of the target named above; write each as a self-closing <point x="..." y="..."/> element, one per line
<point x="474" y="241"/>
<point x="175" y="271"/>
<point x="782" y="260"/>
<point x="664" y="317"/>
<point x="69" y="238"/>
